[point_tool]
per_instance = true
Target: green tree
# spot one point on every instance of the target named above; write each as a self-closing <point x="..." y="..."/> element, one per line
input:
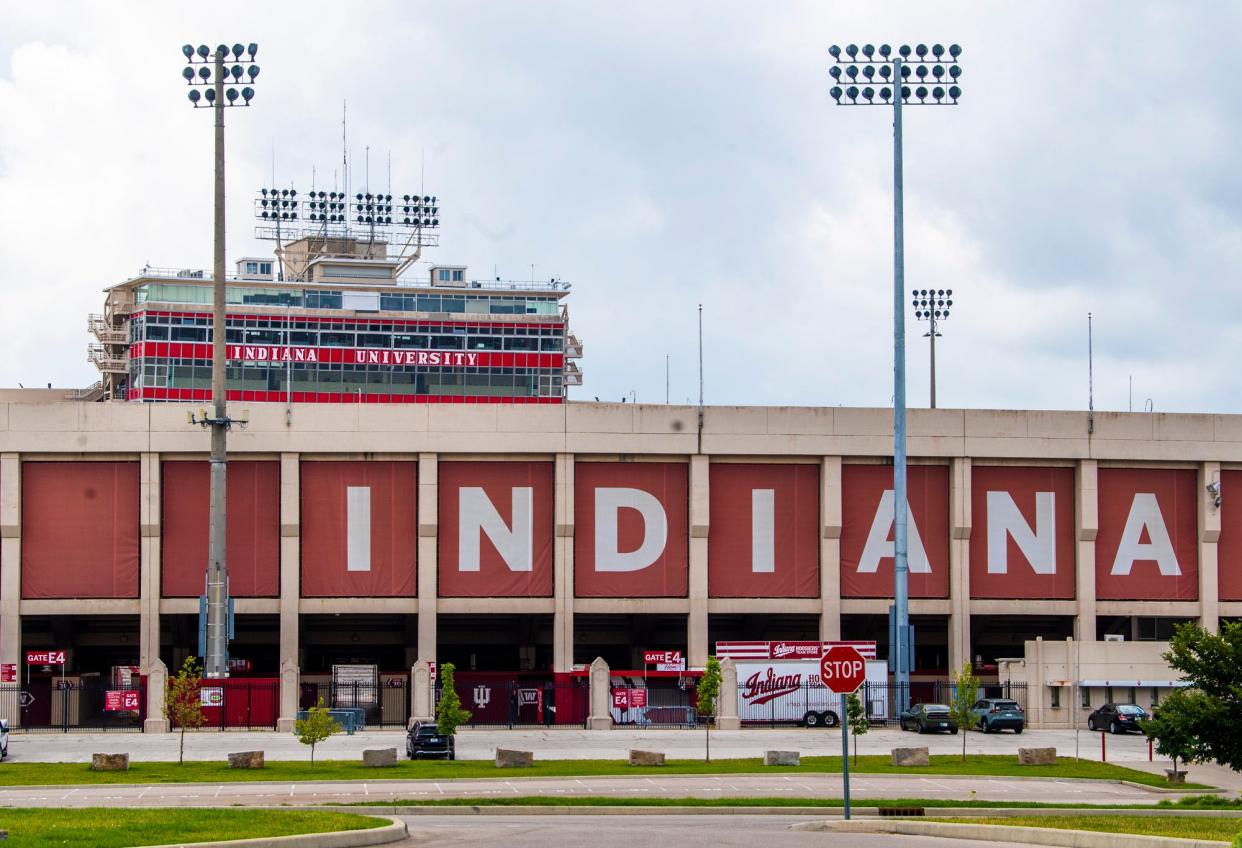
<point x="183" y="702"/>
<point x="316" y="727"/>
<point x="449" y="712"/>
<point x="1188" y="725"/>
<point x="705" y="697"/>
<point x="965" y="693"/>
<point x="856" y="715"/>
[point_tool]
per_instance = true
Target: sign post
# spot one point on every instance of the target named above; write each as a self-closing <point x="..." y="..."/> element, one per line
<point x="842" y="669"/>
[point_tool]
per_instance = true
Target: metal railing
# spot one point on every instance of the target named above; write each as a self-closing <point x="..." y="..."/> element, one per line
<point x="45" y="705"/>
<point x="106" y="334"/>
<point x="99" y="356"/>
<point x="386" y="704"/>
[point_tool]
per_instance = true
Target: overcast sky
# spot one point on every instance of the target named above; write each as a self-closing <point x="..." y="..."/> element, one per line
<point x="660" y="155"/>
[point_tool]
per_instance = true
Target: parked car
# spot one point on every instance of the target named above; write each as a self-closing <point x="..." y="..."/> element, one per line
<point x="928" y="718"/>
<point x="993" y="714"/>
<point x="1118" y="718"/>
<point x="4" y="738"/>
<point x="425" y="740"/>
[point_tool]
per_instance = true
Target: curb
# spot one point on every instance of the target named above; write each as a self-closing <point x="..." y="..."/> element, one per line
<point x="999" y="834"/>
<point x="394" y="831"/>
<point x="858" y="810"/>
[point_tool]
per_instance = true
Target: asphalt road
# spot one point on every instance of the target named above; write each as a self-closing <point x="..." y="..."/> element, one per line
<point x="631" y="831"/>
<point x="670" y="786"/>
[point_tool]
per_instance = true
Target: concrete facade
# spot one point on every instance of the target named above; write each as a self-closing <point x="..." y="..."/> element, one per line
<point x="575" y="432"/>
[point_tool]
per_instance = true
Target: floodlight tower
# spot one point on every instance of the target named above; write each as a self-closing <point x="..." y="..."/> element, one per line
<point x="214" y="72"/>
<point x="883" y="75"/>
<point x="932" y="305"/>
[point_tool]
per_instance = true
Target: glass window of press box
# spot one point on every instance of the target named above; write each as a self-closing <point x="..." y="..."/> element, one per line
<point x="458" y="303"/>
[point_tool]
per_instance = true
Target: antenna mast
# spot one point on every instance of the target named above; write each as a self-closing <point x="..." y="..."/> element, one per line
<point x="1090" y="379"/>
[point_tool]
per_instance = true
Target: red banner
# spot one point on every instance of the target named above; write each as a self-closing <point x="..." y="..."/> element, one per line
<point x="45" y="658"/>
<point x="352" y="355"/>
<point x="79" y="529"/>
<point x="495" y="529"/>
<point x="359" y="529"/>
<point x="8" y="672"/>
<point x="631" y="537"/>
<point x="867" y="531"/>
<point x="764" y="535"/>
<point x="1147" y="546"/>
<point x="253" y="528"/>
<point x="1229" y="549"/>
<point x="1022" y="541"/>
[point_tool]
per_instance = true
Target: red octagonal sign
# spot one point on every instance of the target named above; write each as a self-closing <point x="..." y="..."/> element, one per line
<point x="843" y="669"/>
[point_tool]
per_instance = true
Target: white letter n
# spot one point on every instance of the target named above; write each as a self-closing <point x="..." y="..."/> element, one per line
<point x="1005" y="519"/>
<point x="477" y="515"/>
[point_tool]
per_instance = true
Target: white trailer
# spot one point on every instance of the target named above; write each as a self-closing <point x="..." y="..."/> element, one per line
<point x="776" y="691"/>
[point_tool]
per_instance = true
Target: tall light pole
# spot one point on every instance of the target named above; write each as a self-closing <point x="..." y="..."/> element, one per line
<point x="932" y="305"/>
<point x="860" y="77"/>
<point x="215" y="72"/>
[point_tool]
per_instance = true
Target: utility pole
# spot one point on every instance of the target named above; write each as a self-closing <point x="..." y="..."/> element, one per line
<point x="880" y="67"/>
<point x="215" y="661"/>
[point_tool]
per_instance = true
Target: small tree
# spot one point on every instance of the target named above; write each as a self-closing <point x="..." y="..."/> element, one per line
<point x="705" y="697"/>
<point x="1176" y="726"/>
<point x="316" y="727"/>
<point x="449" y="712"/>
<point x="856" y="715"/>
<point x="183" y="701"/>
<point x="965" y="693"/>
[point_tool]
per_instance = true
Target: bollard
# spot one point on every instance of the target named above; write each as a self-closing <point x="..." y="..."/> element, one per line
<point x="1103" y="748"/>
<point x="1149" y="751"/>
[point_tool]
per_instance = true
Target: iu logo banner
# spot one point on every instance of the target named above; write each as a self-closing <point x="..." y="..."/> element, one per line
<point x="631" y="536"/>
<point x="1147" y="546"/>
<point x="495" y="529"/>
<point x="764" y="536"/>
<point x="1022" y="539"/>
<point x="867" y="545"/>
<point x="359" y="529"/>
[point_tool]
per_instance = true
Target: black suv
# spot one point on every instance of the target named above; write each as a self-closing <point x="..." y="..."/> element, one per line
<point x="1117" y="718"/>
<point x="426" y="740"/>
<point x="928" y="718"/>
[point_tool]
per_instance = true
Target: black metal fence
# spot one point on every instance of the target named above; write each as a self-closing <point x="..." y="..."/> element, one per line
<point x="518" y="703"/>
<point x="655" y="703"/>
<point x="814" y="705"/>
<point x="53" y="706"/>
<point x="383" y="704"/>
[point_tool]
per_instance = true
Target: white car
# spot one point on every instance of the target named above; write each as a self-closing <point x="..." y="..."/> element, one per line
<point x="4" y="738"/>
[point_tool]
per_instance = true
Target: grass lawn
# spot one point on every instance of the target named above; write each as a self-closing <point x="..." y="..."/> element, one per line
<point x="34" y="774"/>
<point x="1185" y="828"/>
<point x="115" y="828"/>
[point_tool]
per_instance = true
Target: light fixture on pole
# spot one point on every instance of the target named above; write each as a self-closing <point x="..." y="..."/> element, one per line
<point x="932" y="305"/>
<point x="878" y="76"/>
<point x="219" y="75"/>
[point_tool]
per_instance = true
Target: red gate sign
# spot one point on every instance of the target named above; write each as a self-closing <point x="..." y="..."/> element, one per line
<point x="45" y="658"/>
<point x="843" y="669"/>
<point x="638" y="698"/>
<point x="665" y="660"/>
<point x="8" y="672"/>
<point x="621" y="699"/>
<point x="116" y="700"/>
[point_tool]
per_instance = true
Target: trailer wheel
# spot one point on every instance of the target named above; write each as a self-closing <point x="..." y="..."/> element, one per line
<point x="830" y="719"/>
<point x="812" y="719"/>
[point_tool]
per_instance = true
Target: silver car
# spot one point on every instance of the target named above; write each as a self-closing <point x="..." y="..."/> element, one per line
<point x="4" y="738"/>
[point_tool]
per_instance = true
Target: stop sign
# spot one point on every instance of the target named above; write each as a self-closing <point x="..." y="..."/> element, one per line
<point x="843" y="669"/>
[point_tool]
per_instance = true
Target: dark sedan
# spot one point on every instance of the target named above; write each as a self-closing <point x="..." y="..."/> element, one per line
<point x="1118" y="718"/>
<point x="426" y="740"/>
<point x="928" y="718"/>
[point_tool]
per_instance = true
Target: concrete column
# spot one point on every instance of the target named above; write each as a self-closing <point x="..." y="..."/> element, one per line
<point x="959" y="563"/>
<point x="1086" y="526"/>
<point x="149" y="512"/>
<point x="1036" y="692"/>
<point x="422" y="693"/>
<point x="600" y="696"/>
<point x="726" y="708"/>
<point x="1209" y="535"/>
<point x="697" y="648"/>
<point x="829" y="550"/>
<point x="428" y="553"/>
<point x="11" y="574"/>
<point x="290" y="587"/>
<point x="563" y="563"/>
